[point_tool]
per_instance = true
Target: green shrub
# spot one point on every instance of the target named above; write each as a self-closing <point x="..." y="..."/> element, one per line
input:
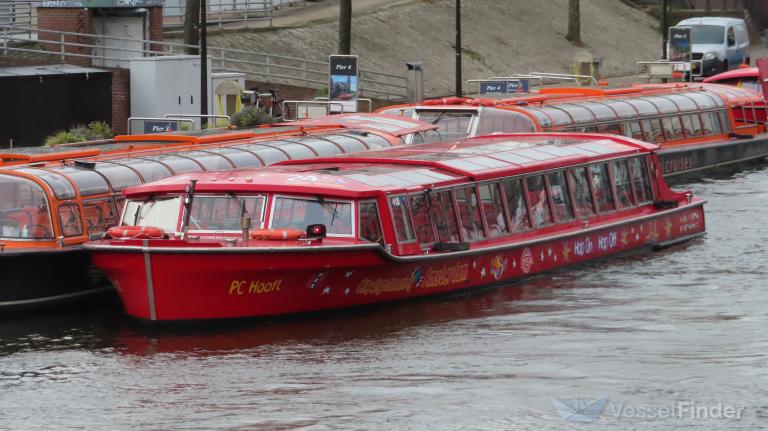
<point x="251" y="116"/>
<point x="100" y="130"/>
<point x="63" y="137"/>
<point x="79" y="133"/>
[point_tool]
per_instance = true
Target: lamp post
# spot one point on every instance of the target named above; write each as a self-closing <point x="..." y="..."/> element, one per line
<point x="458" y="48"/>
<point x="203" y="63"/>
<point x="664" y="29"/>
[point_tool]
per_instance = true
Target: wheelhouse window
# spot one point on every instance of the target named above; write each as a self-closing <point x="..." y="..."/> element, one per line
<point x="161" y="212"/>
<point x="444" y="216"/>
<point x="493" y="206"/>
<point x="299" y="213"/>
<point x="601" y="182"/>
<point x="499" y="120"/>
<point x="561" y="196"/>
<point x="469" y="214"/>
<point x="421" y="219"/>
<point x="223" y="213"/>
<point x="518" y="211"/>
<point x="24" y="210"/>
<point x="621" y="184"/>
<point x="640" y="179"/>
<point x="581" y="192"/>
<point x="69" y="217"/>
<point x="401" y="218"/>
<point x="370" y="224"/>
<point x="451" y="125"/>
<point x="537" y="196"/>
<point x="100" y="215"/>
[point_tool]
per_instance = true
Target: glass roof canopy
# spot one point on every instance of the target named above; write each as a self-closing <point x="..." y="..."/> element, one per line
<point x="574" y="113"/>
<point x="117" y="174"/>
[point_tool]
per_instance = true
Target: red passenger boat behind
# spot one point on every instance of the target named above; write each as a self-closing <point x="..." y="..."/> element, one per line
<point x="387" y="225"/>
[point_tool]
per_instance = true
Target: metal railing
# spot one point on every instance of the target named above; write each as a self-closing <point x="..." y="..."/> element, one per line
<point x="223" y="11"/>
<point x="19" y="13"/>
<point x="111" y="51"/>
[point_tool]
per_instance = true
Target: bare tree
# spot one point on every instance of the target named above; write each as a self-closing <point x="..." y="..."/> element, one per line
<point x="191" y="25"/>
<point x="574" y="22"/>
<point x="345" y="27"/>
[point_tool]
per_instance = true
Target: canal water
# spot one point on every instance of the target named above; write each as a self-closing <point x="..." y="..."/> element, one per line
<point x="676" y="339"/>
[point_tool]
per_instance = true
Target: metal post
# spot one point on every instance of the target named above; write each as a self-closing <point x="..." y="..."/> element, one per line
<point x="203" y="64"/>
<point x="63" y="52"/>
<point x="458" y="48"/>
<point x="664" y="29"/>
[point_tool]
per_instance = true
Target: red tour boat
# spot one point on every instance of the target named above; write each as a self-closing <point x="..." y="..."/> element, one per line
<point x="387" y="225"/>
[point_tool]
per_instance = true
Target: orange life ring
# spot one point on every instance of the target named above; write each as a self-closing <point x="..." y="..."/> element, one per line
<point x="137" y="232"/>
<point x="278" y="234"/>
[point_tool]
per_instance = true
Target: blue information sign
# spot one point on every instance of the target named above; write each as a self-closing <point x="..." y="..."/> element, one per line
<point x="160" y="126"/>
<point x="504" y="87"/>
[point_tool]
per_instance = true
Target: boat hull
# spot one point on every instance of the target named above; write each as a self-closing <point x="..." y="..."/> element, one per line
<point x="31" y="278"/>
<point x="178" y="283"/>
<point x="690" y="159"/>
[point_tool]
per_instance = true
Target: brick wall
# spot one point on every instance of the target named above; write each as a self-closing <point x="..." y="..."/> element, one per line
<point x="76" y="20"/>
<point x="121" y="100"/>
<point x="156" y="26"/>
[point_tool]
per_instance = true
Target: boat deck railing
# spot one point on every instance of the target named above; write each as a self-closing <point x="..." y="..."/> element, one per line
<point x="111" y="51"/>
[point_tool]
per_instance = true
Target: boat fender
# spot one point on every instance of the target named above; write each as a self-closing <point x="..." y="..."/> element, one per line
<point x="136" y="232"/>
<point x="278" y="234"/>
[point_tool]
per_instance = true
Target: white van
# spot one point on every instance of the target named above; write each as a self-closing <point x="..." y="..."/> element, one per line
<point x="719" y="43"/>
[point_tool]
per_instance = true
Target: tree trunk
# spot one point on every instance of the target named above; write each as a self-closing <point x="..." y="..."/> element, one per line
<point x="345" y="27"/>
<point x="191" y="25"/>
<point x="574" y="22"/>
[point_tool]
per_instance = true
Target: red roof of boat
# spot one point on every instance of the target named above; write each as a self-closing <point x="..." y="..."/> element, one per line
<point x="747" y="72"/>
<point x="412" y="167"/>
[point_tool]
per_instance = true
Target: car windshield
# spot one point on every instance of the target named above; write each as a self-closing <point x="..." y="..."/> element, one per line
<point x="707" y="34"/>
<point x="161" y="212"/>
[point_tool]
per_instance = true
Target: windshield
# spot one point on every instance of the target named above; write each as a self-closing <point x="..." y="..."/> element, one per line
<point x="162" y="213"/>
<point x="24" y="210"/>
<point x="300" y="213"/>
<point x="707" y="34"/>
<point x="222" y="213"/>
<point x="451" y="125"/>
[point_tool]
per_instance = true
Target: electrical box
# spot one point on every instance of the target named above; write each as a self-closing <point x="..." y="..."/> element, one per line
<point x="167" y="85"/>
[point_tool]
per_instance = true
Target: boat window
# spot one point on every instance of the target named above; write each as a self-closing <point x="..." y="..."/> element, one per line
<point x="672" y="127"/>
<point x="421" y="219"/>
<point x="210" y="161"/>
<point x="557" y="115"/>
<point x="691" y="124"/>
<point x="613" y="128"/>
<point x="726" y="124"/>
<point x="401" y="218"/>
<point x="497" y="120"/>
<point x="581" y="192"/>
<point x="640" y="180"/>
<point x="451" y="125"/>
<point x="561" y="196"/>
<point x="87" y="181"/>
<point x="149" y="170"/>
<point x="320" y="146"/>
<point x="373" y="141"/>
<point x="300" y="213"/>
<point x="518" y="212"/>
<point x="162" y="213"/>
<point x="119" y="176"/>
<point x="61" y="186"/>
<point x="100" y="215"/>
<point x="268" y="154"/>
<point x="602" y="185"/>
<point x="600" y="110"/>
<point x="350" y="144"/>
<point x="652" y="129"/>
<point x="709" y="124"/>
<point x="24" y="210"/>
<point x="222" y="213"/>
<point x="469" y="214"/>
<point x="493" y="206"/>
<point x="621" y="184"/>
<point x="180" y="165"/>
<point x="633" y="130"/>
<point x="400" y="111"/>
<point x="579" y="113"/>
<point x="444" y="216"/>
<point x="370" y="224"/>
<point x="69" y="217"/>
<point x="537" y="196"/>
<point x="241" y="159"/>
